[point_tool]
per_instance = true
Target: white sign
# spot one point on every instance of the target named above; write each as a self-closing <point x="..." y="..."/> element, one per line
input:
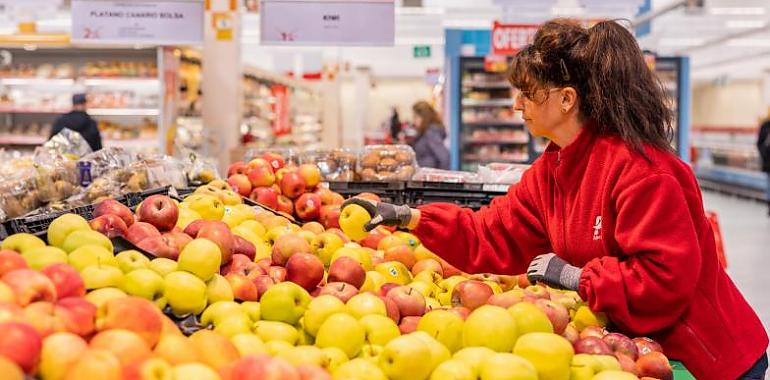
<point x="149" y="22"/>
<point x="327" y="22"/>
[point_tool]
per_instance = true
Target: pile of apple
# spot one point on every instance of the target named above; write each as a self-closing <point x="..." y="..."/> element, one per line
<point x="282" y="301"/>
<point x="288" y="188"/>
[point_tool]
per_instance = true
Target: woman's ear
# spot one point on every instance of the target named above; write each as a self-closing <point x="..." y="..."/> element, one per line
<point x="568" y="99"/>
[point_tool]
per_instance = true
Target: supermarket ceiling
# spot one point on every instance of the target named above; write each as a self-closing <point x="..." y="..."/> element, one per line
<point x="726" y="39"/>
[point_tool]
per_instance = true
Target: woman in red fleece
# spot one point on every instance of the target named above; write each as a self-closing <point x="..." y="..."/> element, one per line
<point x="608" y="210"/>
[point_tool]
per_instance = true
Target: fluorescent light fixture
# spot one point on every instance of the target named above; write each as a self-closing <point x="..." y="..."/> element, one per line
<point x="737" y="11"/>
<point x="745" y="24"/>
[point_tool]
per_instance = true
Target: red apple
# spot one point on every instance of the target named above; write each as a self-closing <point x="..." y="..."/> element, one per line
<point x="387" y="287"/>
<point x="219" y="233"/>
<point x="471" y="294"/>
<point x="78" y="314"/>
<point x="20" y="343"/>
<point x="305" y="270"/>
<point x="244" y="247"/>
<point x="626" y="363"/>
<point x="654" y="364"/>
<point x="238" y="167"/>
<point x="265" y="264"/>
<point x="391" y="308"/>
<point x="240" y="184"/>
<point x="337" y="199"/>
<point x="347" y="269"/>
<point x="311" y="174"/>
<point x="160" y="211"/>
<point x="621" y="344"/>
<point x="558" y="314"/>
<point x="410" y="302"/>
<point x="646" y="345"/>
<point x="329" y="216"/>
<point x="592" y="345"/>
<point x="160" y="246"/>
<point x="180" y="238"/>
<point x="285" y="205"/>
<point x="10" y="312"/>
<point x="275" y="160"/>
<point x="310" y="372"/>
<point x="292" y="185"/>
<point x="449" y="269"/>
<point x="109" y="225"/>
<point x="308" y="207"/>
<point x="504" y="300"/>
<point x="262" y="282"/>
<point x="369" y="196"/>
<point x="265" y="196"/>
<point x="111" y="206"/>
<point x="287" y="245"/>
<point x="325" y="195"/>
<point x="194" y="227"/>
<point x="595" y="331"/>
<point x="263" y="367"/>
<point x="238" y="264"/>
<point x="402" y="254"/>
<point x="243" y="289"/>
<point x="341" y="290"/>
<point x="30" y="286"/>
<point x="408" y="325"/>
<point x="258" y="163"/>
<point x="277" y="273"/>
<point x="10" y="260"/>
<point x="44" y="317"/>
<point x="571" y="333"/>
<point x="261" y="177"/>
<point x="66" y="280"/>
<point x="140" y="231"/>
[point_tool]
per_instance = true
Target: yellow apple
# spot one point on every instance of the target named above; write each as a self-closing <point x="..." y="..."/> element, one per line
<point x="207" y="206"/>
<point x="185" y="293"/>
<point x="358" y="369"/>
<point x="551" y="354"/>
<point x="248" y="344"/>
<point x="529" y="318"/>
<point x="64" y="225"/>
<point x="373" y="282"/>
<point x="444" y="326"/>
<point x="394" y="272"/>
<point x="60" y="351"/>
<point x="352" y="220"/>
<point x="99" y="297"/>
<point x="82" y="238"/>
<point x="335" y="357"/>
<point x="254" y="226"/>
<point x="41" y="257"/>
<point x="275" y="347"/>
<point x="473" y="356"/>
<point x="304" y="355"/>
<point x="319" y="309"/>
<point x="201" y="257"/>
<point x="365" y="304"/>
<point x="584" y="317"/>
<point x="453" y="369"/>
<point x="422" y="253"/>
<point x="186" y="216"/>
<point x="492" y="327"/>
<point x="195" y="371"/>
<point x="438" y="352"/>
<point x="379" y="329"/>
<point x="405" y="358"/>
<point x="163" y="266"/>
<point x="507" y="366"/>
<point x="176" y="349"/>
<point x="325" y="244"/>
<point x="22" y="243"/>
<point x="342" y="331"/>
<point x="217" y="312"/>
<point x="218" y="289"/>
<point x="271" y="330"/>
<point x="355" y="252"/>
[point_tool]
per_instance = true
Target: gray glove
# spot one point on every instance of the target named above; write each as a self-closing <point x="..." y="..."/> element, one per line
<point x="554" y="271"/>
<point x="382" y="213"/>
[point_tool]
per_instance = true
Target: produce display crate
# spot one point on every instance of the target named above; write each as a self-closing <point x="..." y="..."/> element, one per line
<point x="391" y="192"/>
<point x="471" y="195"/>
<point x="38" y="224"/>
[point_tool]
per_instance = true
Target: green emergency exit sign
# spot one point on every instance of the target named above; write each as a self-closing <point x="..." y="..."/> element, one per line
<point x="422" y="51"/>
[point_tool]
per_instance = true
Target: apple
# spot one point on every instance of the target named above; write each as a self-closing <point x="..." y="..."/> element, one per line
<point x="558" y="314"/>
<point x="346" y="269"/>
<point x="337" y="199"/>
<point x="502" y="366"/>
<point x="11" y="260"/>
<point x="453" y="369"/>
<point x="59" y="352"/>
<point x="341" y="290"/>
<point x="277" y="273"/>
<point x="265" y="196"/>
<point x="45" y="317"/>
<point x="134" y="314"/>
<point x="402" y="254"/>
<point x="261" y="177"/>
<point x="243" y="289"/>
<point x="194" y="371"/>
<point x="238" y="167"/>
<point x="394" y="272"/>
<point x="7" y="296"/>
<point x="209" y="207"/>
<point x="78" y="315"/>
<point x="325" y="244"/>
<point x="592" y="345"/>
<point x="126" y="345"/>
<point x="285" y="205"/>
<point x="20" y="343"/>
<point x="30" y="286"/>
<point x="311" y="372"/>
<point x="95" y="363"/>
<point x="621" y="344"/>
<point x="66" y="280"/>
<point x="275" y="160"/>
<point x="219" y="233"/>
<point x="409" y="301"/>
<point x="144" y="283"/>
<point x="318" y="310"/>
<point x="352" y="220"/>
<point x="409" y="325"/>
<point x="148" y="369"/>
<point x="311" y="174"/>
<point x="140" y="231"/>
<point x="364" y="304"/>
<point x="217" y="184"/>
<point x="471" y="294"/>
<point x="82" y="238"/>
<point x="215" y="349"/>
<point x="180" y="239"/>
<point x="211" y="190"/>
<point x="200" y="257"/>
<point x="308" y="206"/>
<point x="427" y="264"/>
<point x="549" y="353"/>
<point x="406" y="357"/>
<point x="329" y="216"/>
<point x="113" y="207"/>
<point x="163" y="266"/>
<point x="325" y="194"/>
<point x="21" y="243"/>
<point x="240" y="184"/>
<point x="284" y="302"/>
<point x="342" y="331"/>
<point x="305" y="270"/>
<point x="293" y="185"/>
<point x="359" y="369"/>
<point x="500" y="336"/>
<point x="160" y="211"/>
<point x="160" y="246"/>
<point x="570" y="333"/>
<point x="185" y="293"/>
<point x="445" y="326"/>
<point x="529" y="318"/>
<point x="131" y="259"/>
<point x="287" y="245"/>
<point x="64" y="225"/>
<point x="264" y="367"/>
<point x="654" y="364"/>
<point x="646" y="345"/>
<point x="110" y="225"/>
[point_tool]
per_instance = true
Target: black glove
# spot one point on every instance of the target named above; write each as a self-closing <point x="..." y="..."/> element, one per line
<point x="554" y="271"/>
<point x="382" y="213"/>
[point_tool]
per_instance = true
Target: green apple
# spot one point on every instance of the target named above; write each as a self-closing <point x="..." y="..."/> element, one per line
<point x="131" y="259"/>
<point x="529" y="318"/>
<point x="325" y="244"/>
<point x="284" y="302"/>
<point x="185" y="293"/>
<point x="163" y="266"/>
<point x="101" y="276"/>
<point x="22" y="243"/>
<point x="233" y="325"/>
<point x="334" y="358"/>
<point x="143" y="283"/>
<point x="248" y="344"/>
<point x="379" y="329"/>
<point x="80" y="238"/>
<point x="358" y="369"/>
<point x="472" y="357"/>
<point x="490" y="326"/>
<point x="252" y="309"/>
<point x="218" y="289"/>
<point x="90" y="255"/>
<point x="507" y="366"/>
<point x="395" y="272"/>
<point x="200" y="257"/>
<point x="373" y="282"/>
<point x="272" y="330"/>
<point x="352" y="220"/>
<point x="438" y="352"/>
<point x="371" y="352"/>
<point x="405" y="358"/>
<point x="41" y="257"/>
<point x="99" y="297"/>
<point x="304" y="355"/>
<point x="64" y="225"/>
<point x="218" y="311"/>
<point x="342" y="331"/>
<point x="444" y="326"/>
<point x="275" y="347"/>
<point x="551" y="354"/>
<point x="365" y="304"/>
<point x="319" y="309"/>
<point x="453" y="369"/>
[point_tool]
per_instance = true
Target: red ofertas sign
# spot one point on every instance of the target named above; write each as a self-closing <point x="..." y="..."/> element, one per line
<point x="507" y="39"/>
<point x="281" y="122"/>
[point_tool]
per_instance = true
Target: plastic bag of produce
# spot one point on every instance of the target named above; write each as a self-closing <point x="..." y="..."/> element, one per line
<point x="68" y="142"/>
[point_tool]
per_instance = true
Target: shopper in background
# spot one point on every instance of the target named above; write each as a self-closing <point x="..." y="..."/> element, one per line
<point x="395" y="126"/>
<point x="79" y="121"/>
<point x="622" y="213"/>
<point x="763" y="144"/>
<point x="429" y="143"/>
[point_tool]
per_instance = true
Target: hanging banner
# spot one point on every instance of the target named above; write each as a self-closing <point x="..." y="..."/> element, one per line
<point x="281" y="121"/>
<point x="508" y="39"/>
<point x="149" y="22"/>
<point x="327" y="22"/>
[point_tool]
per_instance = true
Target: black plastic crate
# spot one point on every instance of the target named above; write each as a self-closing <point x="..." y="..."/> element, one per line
<point x="474" y="200"/>
<point x="361" y="187"/>
<point x="425" y="185"/>
<point x="38" y="224"/>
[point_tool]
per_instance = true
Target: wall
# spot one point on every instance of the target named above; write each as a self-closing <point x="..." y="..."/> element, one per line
<point x="735" y="103"/>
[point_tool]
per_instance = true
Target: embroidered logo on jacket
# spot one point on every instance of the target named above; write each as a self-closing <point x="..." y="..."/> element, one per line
<point x="598" y="228"/>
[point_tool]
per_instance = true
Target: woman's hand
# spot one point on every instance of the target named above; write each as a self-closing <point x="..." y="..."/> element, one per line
<point x="554" y="271"/>
<point x="383" y="213"/>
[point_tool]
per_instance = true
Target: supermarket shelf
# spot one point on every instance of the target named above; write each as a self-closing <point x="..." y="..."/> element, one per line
<point x="493" y="85"/>
<point x="488" y="103"/>
<point x="21" y="140"/>
<point x="123" y="111"/>
<point x="491" y="123"/>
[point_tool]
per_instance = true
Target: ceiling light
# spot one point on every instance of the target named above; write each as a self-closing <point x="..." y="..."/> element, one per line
<point x="737" y="11"/>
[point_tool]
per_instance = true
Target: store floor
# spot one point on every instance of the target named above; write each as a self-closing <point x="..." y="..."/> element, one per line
<point x="746" y="233"/>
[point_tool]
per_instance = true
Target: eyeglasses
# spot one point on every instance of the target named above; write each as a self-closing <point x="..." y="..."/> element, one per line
<point x="530" y="95"/>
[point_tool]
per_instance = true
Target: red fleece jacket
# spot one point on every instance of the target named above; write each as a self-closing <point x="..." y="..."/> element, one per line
<point x="638" y="230"/>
